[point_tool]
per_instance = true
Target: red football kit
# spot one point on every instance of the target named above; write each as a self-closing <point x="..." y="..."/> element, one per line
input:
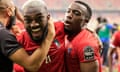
<point x="55" y="59"/>
<point x="83" y="47"/>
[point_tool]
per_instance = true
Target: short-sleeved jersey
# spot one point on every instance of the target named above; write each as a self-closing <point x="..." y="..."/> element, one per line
<point x="83" y="47"/>
<point x="55" y="59"/>
<point x="8" y="46"/>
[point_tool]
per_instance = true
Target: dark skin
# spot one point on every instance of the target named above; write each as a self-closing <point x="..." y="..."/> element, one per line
<point x="111" y="51"/>
<point x="36" y="19"/>
<point x="75" y="20"/>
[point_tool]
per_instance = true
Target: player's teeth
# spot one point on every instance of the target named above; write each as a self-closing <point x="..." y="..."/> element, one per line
<point x="34" y="30"/>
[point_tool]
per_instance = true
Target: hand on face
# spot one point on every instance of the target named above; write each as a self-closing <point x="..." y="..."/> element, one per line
<point x="51" y="29"/>
<point x="16" y="30"/>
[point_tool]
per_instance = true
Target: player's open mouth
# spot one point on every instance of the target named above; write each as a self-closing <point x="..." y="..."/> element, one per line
<point x="36" y="29"/>
<point x="67" y="22"/>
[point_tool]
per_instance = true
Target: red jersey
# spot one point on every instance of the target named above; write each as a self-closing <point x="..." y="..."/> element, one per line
<point x="55" y="59"/>
<point x="56" y="52"/>
<point x="27" y="43"/>
<point x="116" y="39"/>
<point x="83" y="47"/>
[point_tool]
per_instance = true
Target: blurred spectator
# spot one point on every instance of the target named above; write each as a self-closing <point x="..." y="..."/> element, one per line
<point x="115" y="27"/>
<point x="99" y="20"/>
<point x="104" y="32"/>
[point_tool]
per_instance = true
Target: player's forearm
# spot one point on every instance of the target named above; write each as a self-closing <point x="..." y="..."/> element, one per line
<point x="19" y="15"/>
<point x="110" y="64"/>
<point x="89" y="66"/>
<point x="37" y="58"/>
<point x="110" y="59"/>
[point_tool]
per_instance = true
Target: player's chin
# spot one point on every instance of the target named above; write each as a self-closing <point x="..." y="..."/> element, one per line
<point x="68" y="28"/>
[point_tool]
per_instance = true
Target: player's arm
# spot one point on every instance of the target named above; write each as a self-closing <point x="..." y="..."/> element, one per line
<point x="33" y="62"/>
<point x="110" y="54"/>
<point x="114" y="43"/>
<point x="19" y="15"/>
<point x="89" y="57"/>
<point x="92" y="66"/>
<point x="16" y="30"/>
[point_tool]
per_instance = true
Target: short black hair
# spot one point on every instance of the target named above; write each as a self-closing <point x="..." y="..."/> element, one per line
<point x="104" y="20"/>
<point x="88" y="8"/>
<point x="99" y="19"/>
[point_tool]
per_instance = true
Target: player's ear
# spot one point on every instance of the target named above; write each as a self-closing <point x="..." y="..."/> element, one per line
<point x="86" y="20"/>
<point x="8" y="12"/>
<point x="48" y="17"/>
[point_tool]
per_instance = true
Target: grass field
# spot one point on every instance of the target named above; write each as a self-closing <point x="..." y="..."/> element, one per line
<point x="115" y="69"/>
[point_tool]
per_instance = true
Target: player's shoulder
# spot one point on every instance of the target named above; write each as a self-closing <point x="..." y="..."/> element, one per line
<point x="117" y="33"/>
<point x="86" y="33"/>
<point x="22" y="34"/>
<point x="82" y="36"/>
<point x="88" y="36"/>
<point x="59" y="23"/>
<point x="59" y="26"/>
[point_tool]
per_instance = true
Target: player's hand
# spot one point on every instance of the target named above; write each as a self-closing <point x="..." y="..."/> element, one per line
<point x="51" y="29"/>
<point x="16" y="30"/>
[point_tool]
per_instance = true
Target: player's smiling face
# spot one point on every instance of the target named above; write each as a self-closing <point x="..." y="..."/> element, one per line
<point x="36" y="20"/>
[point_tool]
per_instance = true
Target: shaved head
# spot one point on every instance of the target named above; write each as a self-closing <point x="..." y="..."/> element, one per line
<point x="30" y="4"/>
<point x="7" y="12"/>
<point x="6" y="3"/>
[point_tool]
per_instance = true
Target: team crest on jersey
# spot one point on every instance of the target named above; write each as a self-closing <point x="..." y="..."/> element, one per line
<point x="88" y="53"/>
<point x="57" y="43"/>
